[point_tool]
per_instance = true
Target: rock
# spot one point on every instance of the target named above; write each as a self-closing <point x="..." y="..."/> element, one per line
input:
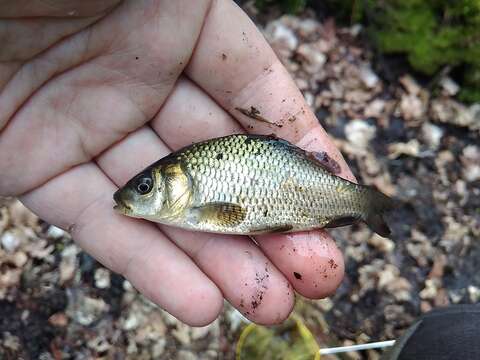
<point x="471" y="163"/>
<point x="355" y="29"/>
<point x="314" y="58"/>
<point x="356" y="96"/>
<point x="45" y="356"/>
<point x="58" y="320"/>
<point x="432" y="134"/>
<point x="182" y="334"/>
<point x="9" y="278"/>
<point x="457" y="295"/>
<point x="430" y="290"/>
<point x="400" y="288"/>
<point x="450" y="87"/>
<point x="452" y="112"/>
<point x="441" y="298"/>
<point x="158" y="348"/>
<point x="235" y="318"/>
<point x="169" y="319"/>
<point x="411" y="107"/>
<point x="99" y="344"/>
<point x="39" y="249"/>
<point x="212" y="354"/>
<point x="10" y="242"/>
<point x="21" y="216"/>
<point x="10" y="341"/>
<point x="410" y="85"/>
<point x="387" y="275"/>
<point x="368" y="76"/>
<point x="56" y="233"/>
<point x="4" y="219"/>
<point x="420" y="248"/>
<point x="352" y="355"/>
<point x="325" y="304"/>
<point x="151" y="326"/>
<point x="374" y="109"/>
<point x="302" y="84"/>
<point x="186" y="355"/>
<point x="68" y="264"/>
<point x="454" y="233"/>
<point x="131" y="322"/>
<point x="132" y="348"/>
<point x="19" y="259"/>
<point x="279" y="33"/>
<point x="410" y="148"/>
<point x="102" y="278"/>
<point x="385" y="245"/>
<point x="393" y="312"/>
<point x="474" y="294"/>
<point x="308" y="27"/>
<point x="127" y="286"/>
<point x="359" y="133"/>
<point x="425" y="306"/>
<point x="201" y="332"/>
<point x="438" y="266"/>
<point x="84" y="309"/>
<point x="336" y="90"/>
<point x="369" y="275"/>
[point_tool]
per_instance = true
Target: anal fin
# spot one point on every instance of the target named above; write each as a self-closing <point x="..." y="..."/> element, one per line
<point x="271" y="229"/>
<point x="342" y="221"/>
<point x="376" y="223"/>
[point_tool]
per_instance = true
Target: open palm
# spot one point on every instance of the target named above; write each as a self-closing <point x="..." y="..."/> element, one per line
<point x="93" y="92"/>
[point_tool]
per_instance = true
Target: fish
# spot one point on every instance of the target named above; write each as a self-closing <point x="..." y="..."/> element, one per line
<point x="249" y="185"/>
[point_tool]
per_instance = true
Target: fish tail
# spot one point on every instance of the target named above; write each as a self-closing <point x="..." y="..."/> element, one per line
<point x="378" y="204"/>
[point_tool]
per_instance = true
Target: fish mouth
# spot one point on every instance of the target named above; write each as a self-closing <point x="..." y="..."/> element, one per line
<point x="120" y="206"/>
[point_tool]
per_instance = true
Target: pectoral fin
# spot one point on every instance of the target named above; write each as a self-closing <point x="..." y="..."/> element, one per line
<point x="219" y="214"/>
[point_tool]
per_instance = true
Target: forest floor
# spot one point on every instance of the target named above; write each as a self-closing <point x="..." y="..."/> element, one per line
<point x="408" y="137"/>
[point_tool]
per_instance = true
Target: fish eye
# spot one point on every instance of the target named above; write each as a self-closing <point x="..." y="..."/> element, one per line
<point x="144" y="185"/>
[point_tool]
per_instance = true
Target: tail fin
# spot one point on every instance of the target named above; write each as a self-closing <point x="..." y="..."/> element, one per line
<point x="379" y="203"/>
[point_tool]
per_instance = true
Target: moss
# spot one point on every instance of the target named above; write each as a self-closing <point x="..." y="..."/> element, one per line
<point x="432" y="34"/>
<point x="288" y="6"/>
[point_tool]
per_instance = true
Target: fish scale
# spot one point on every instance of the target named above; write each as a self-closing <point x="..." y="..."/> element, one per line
<point x="266" y="162"/>
<point x="250" y="184"/>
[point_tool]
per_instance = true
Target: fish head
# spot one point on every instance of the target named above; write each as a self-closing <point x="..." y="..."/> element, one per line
<point x="143" y="196"/>
<point x="160" y="193"/>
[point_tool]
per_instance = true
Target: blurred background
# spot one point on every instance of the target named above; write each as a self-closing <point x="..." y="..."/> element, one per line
<point x="397" y="85"/>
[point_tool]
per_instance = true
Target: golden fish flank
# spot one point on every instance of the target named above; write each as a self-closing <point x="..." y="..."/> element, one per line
<point x="248" y="184"/>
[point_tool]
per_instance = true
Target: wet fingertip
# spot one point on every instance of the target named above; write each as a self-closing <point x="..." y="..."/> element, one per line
<point x="199" y="304"/>
<point x="316" y="266"/>
<point x="270" y="301"/>
<point x="323" y="281"/>
<point x="275" y="310"/>
<point x="200" y="308"/>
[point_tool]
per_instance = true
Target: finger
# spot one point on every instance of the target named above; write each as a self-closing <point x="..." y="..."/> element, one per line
<point x="246" y="277"/>
<point x="239" y="70"/>
<point x="321" y="270"/>
<point x="119" y="63"/>
<point x="51" y="8"/>
<point x="180" y="122"/>
<point x="80" y="200"/>
<point x="246" y="73"/>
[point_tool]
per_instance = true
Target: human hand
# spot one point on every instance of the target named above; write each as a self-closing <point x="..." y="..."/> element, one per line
<point x="93" y="92"/>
